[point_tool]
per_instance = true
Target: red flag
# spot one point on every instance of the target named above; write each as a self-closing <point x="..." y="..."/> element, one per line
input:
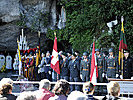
<point x="55" y="58"/>
<point x="94" y="71"/>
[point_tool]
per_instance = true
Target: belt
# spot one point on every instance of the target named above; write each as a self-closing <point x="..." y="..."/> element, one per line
<point x="112" y="67"/>
<point x="85" y="69"/>
<point x="100" y="66"/>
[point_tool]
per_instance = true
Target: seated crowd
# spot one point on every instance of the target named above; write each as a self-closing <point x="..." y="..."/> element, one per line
<point x="61" y="91"/>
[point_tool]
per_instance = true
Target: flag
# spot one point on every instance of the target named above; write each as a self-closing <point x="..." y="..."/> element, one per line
<point x="94" y="71"/>
<point x="20" y="63"/>
<point x="55" y="58"/>
<point x="123" y="43"/>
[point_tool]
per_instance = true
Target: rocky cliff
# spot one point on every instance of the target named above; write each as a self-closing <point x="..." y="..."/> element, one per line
<point x="33" y="14"/>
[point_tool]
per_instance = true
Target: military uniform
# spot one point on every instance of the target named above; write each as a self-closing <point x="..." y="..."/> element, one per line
<point x="127" y="68"/>
<point x="85" y="68"/>
<point x="64" y="69"/>
<point x="112" y="66"/>
<point x="74" y="68"/>
<point x="47" y="68"/>
<point x="100" y="66"/>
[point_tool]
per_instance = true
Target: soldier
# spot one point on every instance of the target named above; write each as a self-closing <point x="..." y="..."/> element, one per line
<point x="41" y="71"/>
<point x="47" y="68"/>
<point x="100" y="65"/>
<point x="30" y="66"/>
<point x="85" y="68"/>
<point x="69" y="55"/>
<point x="8" y="62"/>
<point x="74" y="68"/>
<point x="112" y="65"/>
<point x="64" y="67"/>
<point x="127" y="65"/>
<point x="77" y="56"/>
<point x="2" y="60"/>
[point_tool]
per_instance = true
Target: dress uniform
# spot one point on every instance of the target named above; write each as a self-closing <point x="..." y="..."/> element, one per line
<point x="127" y="65"/>
<point x="64" y="67"/>
<point x="47" y="68"/>
<point x="74" y="68"/>
<point x="112" y="65"/>
<point x="100" y="65"/>
<point x="85" y="68"/>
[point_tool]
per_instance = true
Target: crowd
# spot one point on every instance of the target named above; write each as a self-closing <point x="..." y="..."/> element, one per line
<point x="60" y="91"/>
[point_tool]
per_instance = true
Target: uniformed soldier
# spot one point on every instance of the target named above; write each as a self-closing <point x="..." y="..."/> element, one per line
<point x="77" y="56"/>
<point x="8" y="62"/>
<point x="112" y="65"/>
<point x="85" y="68"/>
<point x="41" y="66"/>
<point x="64" y="67"/>
<point x="74" y="68"/>
<point x="47" y="68"/>
<point x="100" y="65"/>
<point x="127" y="65"/>
<point x="30" y="66"/>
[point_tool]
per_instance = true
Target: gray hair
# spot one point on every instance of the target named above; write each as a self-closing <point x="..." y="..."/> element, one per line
<point x="77" y="95"/>
<point x="44" y="84"/>
<point x="27" y="96"/>
<point x="5" y="81"/>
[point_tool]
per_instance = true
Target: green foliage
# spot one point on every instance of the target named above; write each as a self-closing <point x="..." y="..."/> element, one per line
<point x="87" y="18"/>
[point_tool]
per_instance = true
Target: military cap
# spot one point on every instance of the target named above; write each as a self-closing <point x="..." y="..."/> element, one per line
<point x="63" y="53"/>
<point x="85" y="54"/>
<point x="111" y="50"/>
<point x="97" y="50"/>
<point x="74" y="54"/>
<point x="126" y="51"/>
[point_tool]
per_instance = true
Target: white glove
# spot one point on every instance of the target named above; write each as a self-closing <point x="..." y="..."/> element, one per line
<point x="103" y="74"/>
<point x="49" y="72"/>
<point x="121" y="77"/>
<point x="117" y="75"/>
<point x="132" y="77"/>
<point x="81" y="76"/>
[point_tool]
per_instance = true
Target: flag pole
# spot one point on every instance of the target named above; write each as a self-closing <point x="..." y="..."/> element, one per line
<point x="122" y="19"/>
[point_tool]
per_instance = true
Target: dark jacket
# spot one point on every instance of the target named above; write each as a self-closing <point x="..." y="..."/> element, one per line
<point x="127" y="68"/>
<point x="9" y="97"/>
<point x="74" y="68"/>
<point x="64" y="68"/>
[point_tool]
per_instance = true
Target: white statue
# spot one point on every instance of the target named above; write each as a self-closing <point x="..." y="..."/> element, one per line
<point x="15" y="64"/>
<point x="2" y="60"/>
<point x="8" y="62"/>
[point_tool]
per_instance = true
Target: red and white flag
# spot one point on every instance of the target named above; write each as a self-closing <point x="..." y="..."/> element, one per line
<point x="94" y="71"/>
<point x="55" y="58"/>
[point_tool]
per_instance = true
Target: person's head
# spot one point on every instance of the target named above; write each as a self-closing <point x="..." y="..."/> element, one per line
<point x="73" y="56"/>
<point x="42" y="55"/>
<point x="85" y="54"/>
<point x="76" y="95"/>
<point x="6" y="80"/>
<point x="88" y="88"/>
<point x="113" y="88"/>
<point x="61" y="87"/>
<point x="45" y="84"/>
<point x="6" y="89"/>
<point x="126" y="53"/>
<point x="48" y="54"/>
<point x="97" y="51"/>
<point x="111" y="51"/>
<point x="27" y="96"/>
<point x="77" y="53"/>
<point x="63" y="55"/>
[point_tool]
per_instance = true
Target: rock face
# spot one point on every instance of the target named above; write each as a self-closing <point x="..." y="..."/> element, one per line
<point x="35" y="14"/>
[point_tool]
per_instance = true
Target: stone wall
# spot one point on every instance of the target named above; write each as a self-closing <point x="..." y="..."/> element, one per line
<point x="11" y="12"/>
